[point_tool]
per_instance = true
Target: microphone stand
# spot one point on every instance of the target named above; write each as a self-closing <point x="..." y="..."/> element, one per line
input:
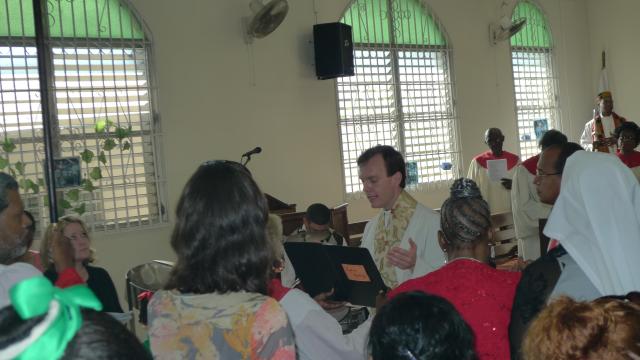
<point x="246" y="160"/>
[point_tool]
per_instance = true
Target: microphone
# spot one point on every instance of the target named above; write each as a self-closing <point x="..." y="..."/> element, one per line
<point x="256" y="150"/>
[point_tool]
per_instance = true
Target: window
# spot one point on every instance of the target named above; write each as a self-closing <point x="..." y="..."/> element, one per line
<point x="402" y="91"/>
<point x="533" y="77"/>
<point x="102" y="110"/>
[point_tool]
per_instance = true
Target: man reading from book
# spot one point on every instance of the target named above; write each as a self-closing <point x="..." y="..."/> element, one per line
<point x="402" y="237"/>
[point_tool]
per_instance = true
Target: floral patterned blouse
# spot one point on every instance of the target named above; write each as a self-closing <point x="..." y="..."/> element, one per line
<point x="227" y="326"/>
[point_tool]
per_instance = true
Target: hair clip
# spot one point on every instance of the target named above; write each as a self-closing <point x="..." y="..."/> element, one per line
<point x="408" y="354"/>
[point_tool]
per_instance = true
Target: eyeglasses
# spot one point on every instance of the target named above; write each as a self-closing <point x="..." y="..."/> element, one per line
<point x="542" y="174"/>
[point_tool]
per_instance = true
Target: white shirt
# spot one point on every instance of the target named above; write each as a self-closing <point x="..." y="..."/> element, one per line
<point x="527" y="210"/>
<point x="318" y="335"/>
<point x="423" y="229"/>
<point x="496" y="195"/>
<point x="11" y="275"/>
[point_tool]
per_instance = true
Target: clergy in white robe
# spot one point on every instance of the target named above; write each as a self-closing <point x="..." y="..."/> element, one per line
<point x="493" y="191"/>
<point x="527" y="209"/>
<point x="402" y="238"/>
<point x="495" y="185"/>
<point x="598" y="133"/>
<point x="423" y="230"/>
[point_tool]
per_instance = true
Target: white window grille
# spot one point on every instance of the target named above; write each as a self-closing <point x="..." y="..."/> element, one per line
<point x="102" y="92"/>
<point x="534" y="82"/>
<point x="402" y="91"/>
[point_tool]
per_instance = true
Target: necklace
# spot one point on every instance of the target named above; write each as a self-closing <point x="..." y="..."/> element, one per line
<point x="449" y="261"/>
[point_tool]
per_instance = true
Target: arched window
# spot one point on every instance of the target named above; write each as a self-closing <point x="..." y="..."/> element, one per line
<point x="402" y="91"/>
<point x="534" y="80"/>
<point x="101" y="100"/>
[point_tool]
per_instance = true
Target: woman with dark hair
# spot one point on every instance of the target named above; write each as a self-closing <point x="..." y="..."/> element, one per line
<point x="602" y="329"/>
<point x="417" y="326"/>
<point x="482" y="294"/>
<point x="628" y="135"/>
<point x="214" y="305"/>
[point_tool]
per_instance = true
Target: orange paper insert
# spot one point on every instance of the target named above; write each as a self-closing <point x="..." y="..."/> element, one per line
<point x="356" y="273"/>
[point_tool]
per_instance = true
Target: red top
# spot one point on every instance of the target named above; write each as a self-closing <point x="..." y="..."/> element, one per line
<point x="481" y="294"/>
<point x="631" y="160"/>
<point x="68" y="277"/>
<point x="276" y="290"/>
<point x="512" y="159"/>
<point x="531" y="164"/>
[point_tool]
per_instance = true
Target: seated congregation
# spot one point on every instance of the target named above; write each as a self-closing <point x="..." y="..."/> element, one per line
<point x="233" y="293"/>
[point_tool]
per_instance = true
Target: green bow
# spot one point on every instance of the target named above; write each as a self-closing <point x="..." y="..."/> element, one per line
<point x="32" y="297"/>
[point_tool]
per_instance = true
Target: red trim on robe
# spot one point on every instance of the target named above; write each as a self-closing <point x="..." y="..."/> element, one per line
<point x="631" y="160"/>
<point x="531" y="164"/>
<point x="276" y="290"/>
<point x="512" y="159"/>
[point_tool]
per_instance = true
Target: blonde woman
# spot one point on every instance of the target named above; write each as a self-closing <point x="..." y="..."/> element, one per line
<point x="74" y="230"/>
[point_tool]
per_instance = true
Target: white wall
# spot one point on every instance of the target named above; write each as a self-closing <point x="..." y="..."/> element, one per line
<point x="614" y="28"/>
<point x="219" y="98"/>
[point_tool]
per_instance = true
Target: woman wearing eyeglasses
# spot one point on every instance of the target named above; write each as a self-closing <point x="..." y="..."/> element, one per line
<point x="483" y="295"/>
<point x="214" y="305"/>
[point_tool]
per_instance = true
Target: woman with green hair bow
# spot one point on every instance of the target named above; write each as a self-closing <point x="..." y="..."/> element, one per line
<point x="47" y="322"/>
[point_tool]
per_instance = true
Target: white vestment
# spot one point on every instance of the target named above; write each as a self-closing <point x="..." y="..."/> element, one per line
<point x="318" y="335"/>
<point x="527" y="210"/>
<point x="498" y="198"/>
<point x="586" y="139"/>
<point x="423" y="229"/>
<point x="597" y="220"/>
<point x="636" y="172"/>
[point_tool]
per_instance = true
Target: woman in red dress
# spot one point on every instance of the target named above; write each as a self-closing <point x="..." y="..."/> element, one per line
<point x="482" y="294"/>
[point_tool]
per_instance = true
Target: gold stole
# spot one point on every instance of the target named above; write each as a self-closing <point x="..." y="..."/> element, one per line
<point x="391" y="235"/>
<point x="598" y="130"/>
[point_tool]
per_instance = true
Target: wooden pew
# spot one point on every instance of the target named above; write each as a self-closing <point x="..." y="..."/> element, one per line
<point x="356" y="231"/>
<point x="506" y="244"/>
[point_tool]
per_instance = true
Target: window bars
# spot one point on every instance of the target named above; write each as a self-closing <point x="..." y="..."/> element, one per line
<point x="402" y="91"/>
<point x="104" y="114"/>
<point x="534" y="81"/>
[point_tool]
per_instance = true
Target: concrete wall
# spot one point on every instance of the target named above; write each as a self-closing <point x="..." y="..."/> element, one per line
<point x="614" y="28"/>
<point x="219" y="97"/>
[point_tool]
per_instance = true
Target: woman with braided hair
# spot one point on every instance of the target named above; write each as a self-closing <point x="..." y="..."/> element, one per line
<point x="482" y="294"/>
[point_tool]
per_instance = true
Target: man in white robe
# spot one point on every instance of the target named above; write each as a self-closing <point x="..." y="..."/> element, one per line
<point x="526" y="205"/>
<point x="598" y="133"/>
<point x="497" y="191"/>
<point x="402" y="238"/>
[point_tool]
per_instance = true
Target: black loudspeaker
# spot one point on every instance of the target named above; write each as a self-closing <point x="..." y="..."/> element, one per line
<point x="333" y="46"/>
